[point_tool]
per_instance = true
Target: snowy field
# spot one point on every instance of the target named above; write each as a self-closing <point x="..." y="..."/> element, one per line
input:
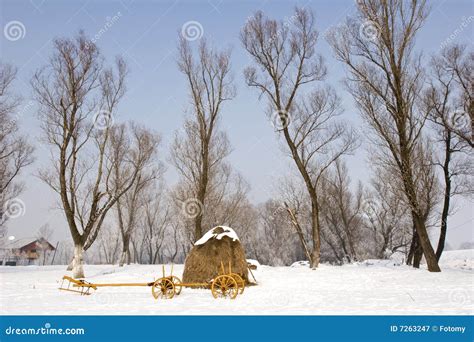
<point x="372" y="287"/>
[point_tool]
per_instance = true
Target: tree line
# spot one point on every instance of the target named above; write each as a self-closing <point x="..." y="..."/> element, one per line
<point x="108" y="176"/>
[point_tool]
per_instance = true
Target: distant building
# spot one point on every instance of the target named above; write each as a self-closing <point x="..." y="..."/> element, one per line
<point x="26" y="251"/>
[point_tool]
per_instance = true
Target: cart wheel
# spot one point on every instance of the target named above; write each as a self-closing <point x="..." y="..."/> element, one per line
<point x="224" y="286"/>
<point x="177" y="284"/>
<point x="163" y="288"/>
<point x="239" y="281"/>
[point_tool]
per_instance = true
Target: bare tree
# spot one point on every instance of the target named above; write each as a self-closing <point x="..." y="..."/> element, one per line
<point x="387" y="216"/>
<point x="227" y="198"/>
<point x="78" y="100"/>
<point x="388" y="183"/>
<point x="15" y="152"/>
<point x="342" y="224"/>
<point x="108" y="244"/>
<point x="245" y="222"/>
<point x="153" y="224"/>
<point x="198" y="152"/>
<point x="127" y="142"/>
<point x="285" y="61"/>
<point x="63" y="252"/>
<point x="178" y="248"/>
<point x="266" y="233"/>
<point x="447" y="99"/>
<point x="297" y="203"/>
<point x="386" y="79"/>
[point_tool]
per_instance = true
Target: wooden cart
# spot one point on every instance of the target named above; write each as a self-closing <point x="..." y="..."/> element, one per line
<point x="224" y="285"/>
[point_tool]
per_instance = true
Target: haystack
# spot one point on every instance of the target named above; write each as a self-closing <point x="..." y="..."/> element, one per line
<point x="220" y="244"/>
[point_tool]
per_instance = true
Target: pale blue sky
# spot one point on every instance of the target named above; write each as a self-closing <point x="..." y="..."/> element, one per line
<point x="145" y="33"/>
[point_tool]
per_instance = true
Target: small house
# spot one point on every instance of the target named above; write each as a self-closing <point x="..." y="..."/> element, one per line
<point x="26" y="251"/>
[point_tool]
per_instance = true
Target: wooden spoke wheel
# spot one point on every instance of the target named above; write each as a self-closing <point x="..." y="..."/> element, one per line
<point x="163" y="288"/>
<point x="240" y="282"/>
<point x="225" y="286"/>
<point x="177" y="284"/>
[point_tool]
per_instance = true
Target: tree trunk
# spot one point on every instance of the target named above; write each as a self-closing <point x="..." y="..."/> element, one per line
<point x="299" y="231"/>
<point x="198" y="227"/>
<point x="69" y="266"/>
<point x="78" y="261"/>
<point x="417" y="255"/>
<point x="411" y="252"/>
<point x="418" y="221"/>
<point x="150" y="255"/>
<point x="353" y="255"/>
<point x="125" y="251"/>
<point x="201" y="199"/>
<point x="203" y="183"/>
<point x="316" y="252"/>
<point x="447" y="197"/>
<point x="122" y="258"/>
<point x="315" y="258"/>
<point x="416" y="252"/>
<point x="444" y="228"/>
<point x="381" y="254"/>
<point x="311" y="188"/>
<point x="425" y="244"/>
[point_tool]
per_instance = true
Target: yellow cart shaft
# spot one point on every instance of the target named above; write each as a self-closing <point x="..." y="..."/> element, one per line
<point x="118" y="284"/>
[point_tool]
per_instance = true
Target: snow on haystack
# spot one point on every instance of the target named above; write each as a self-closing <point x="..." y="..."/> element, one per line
<point x="217" y="233"/>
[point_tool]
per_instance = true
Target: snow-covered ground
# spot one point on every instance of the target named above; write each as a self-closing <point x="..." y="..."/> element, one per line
<point x="373" y="287"/>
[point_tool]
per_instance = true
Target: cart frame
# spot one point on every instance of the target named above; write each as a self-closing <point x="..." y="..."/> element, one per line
<point x="224" y="285"/>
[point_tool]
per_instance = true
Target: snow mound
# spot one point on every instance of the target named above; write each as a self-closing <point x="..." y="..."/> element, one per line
<point x="459" y="259"/>
<point x="303" y="263"/>
<point x="379" y="263"/>
<point x="217" y="233"/>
